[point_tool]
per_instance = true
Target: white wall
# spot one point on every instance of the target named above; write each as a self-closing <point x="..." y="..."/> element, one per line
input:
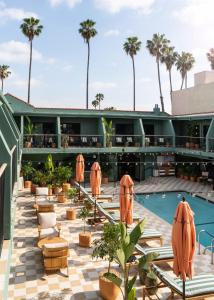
<point x="204" y="77"/>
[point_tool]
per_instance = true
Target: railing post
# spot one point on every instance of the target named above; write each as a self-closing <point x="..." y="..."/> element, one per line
<point x="58" y="130"/>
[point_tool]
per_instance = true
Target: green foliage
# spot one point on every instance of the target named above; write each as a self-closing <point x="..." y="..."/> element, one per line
<point x="210" y="57"/>
<point x="72" y="193"/>
<point x="87" y="30"/>
<point x="107" y="245"/>
<point x="29" y="128"/>
<point x="84" y="214"/>
<point x="95" y="103"/>
<point x="31" y="28"/>
<point x="132" y="46"/>
<point x="61" y="174"/>
<point x="49" y="164"/>
<point x="27" y="170"/>
<point x="127" y="243"/>
<point x="109" y="131"/>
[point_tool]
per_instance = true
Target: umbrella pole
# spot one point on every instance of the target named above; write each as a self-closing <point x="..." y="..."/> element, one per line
<point x="95" y="207"/>
<point x="184" y="296"/>
<point x="79" y="191"/>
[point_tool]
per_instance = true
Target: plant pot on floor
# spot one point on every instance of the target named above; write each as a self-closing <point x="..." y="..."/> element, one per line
<point x="108" y="290"/>
<point x="66" y="187"/>
<point x="57" y="190"/>
<point x="71" y="214"/>
<point x="33" y="188"/>
<point x="50" y="191"/>
<point x="85" y="239"/>
<point x="186" y="177"/>
<point x="105" y="180"/>
<point x="61" y="197"/>
<point x="27" y="184"/>
<point x="192" y="178"/>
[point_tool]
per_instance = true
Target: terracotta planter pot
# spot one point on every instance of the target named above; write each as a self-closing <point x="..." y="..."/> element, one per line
<point x="108" y="290"/>
<point x="27" y="184"/>
<point x="71" y="214"/>
<point x="66" y="187"/>
<point x="50" y="191"/>
<point x="57" y="190"/>
<point x="105" y="180"/>
<point x="186" y="177"/>
<point x="85" y="239"/>
<point x="182" y="176"/>
<point x="33" y="188"/>
<point x="61" y="198"/>
<point x="187" y="145"/>
<point x="193" y="179"/>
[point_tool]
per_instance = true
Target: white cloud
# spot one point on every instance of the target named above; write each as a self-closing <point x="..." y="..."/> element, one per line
<point x="21" y="83"/>
<point x="70" y="3"/>
<point x="115" y="6"/>
<point x="196" y="13"/>
<point x="112" y="32"/>
<point x="144" y="80"/>
<point x="18" y="52"/>
<point x="99" y="86"/>
<point x="50" y="61"/>
<point x="11" y="13"/>
<point x="67" y="68"/>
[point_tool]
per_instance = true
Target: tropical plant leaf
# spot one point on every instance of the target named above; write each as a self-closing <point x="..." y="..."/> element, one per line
<point x="131" y="283"/>
<point x="129" y="251"/>
<point x="113" y="278"/>
<point x="137" y="231"/>
<point x="132" y="294"/>
<point x="146" y="259"/>
<point x="121" y="258"/>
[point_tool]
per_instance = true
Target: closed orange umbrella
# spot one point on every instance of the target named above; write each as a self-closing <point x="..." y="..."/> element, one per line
<point x="95" y="179"/>
<point x="126" y="199"/>
<point x="80" y="167"/>
<point x="183" y="242"/>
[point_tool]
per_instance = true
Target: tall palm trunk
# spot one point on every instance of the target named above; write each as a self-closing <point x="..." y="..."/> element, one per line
<point x="87" y="78"/>
<point x="186" y="81"/>
<point x="159" y="81"/>
<point x="133" y="65"/>
<point x="29" y="75"/>
<point x="170" y="82"/>
<point x="182" y="82"/>
<point x="99" y="105"/>
<point x="2" y="85"/>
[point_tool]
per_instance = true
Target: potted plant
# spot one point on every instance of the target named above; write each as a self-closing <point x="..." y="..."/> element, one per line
<point x="85" y="236"/>
<point x="29" y="129"/>
<point x="106" y="170"/>
<point x="61" y="176"/>
<point x="27" y="171"/>
<point x="144" y="265"/>
<point x="109" y="130"/>
<point x="35" y="181"/>
<point x="123" y="256"/>
<point x="187" y="172"/>
<point x="105" y="248"/>
<point x="71" y="212"/>
<point x="151" y="283"/>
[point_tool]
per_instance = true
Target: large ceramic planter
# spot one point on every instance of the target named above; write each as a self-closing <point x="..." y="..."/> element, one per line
<point x="108" y="290"/>
<point x="105" y="180"/>
<point x="66" y="187"/>
<point x="33" y="188"/>
<point x="27" y="184"/>
<point x="85" y="239"/>
<point x="61" y="197"/>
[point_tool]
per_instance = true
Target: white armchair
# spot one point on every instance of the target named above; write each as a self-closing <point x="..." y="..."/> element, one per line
<point x="48" y="226"/>
<point x="42" y="193"/>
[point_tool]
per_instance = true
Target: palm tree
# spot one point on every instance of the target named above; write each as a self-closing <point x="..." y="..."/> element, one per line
<point x="30" y="28"/>
<point x="169" y="58"/>
<point x="210" y="57"/>
<point x="95" y="103"/>
<point x="99" y="97"/>
<point x="131" y="47"/>
<point x="4" y="73"/>
<point x="87" y="31"/>
<point x="185" y="62"/>
<point x="157" y="47"/>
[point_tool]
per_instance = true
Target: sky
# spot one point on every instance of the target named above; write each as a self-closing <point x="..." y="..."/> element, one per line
<point x="60" y="54"/>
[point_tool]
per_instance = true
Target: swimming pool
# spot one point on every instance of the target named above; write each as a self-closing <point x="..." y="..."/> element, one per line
<point x="164" y="205"/>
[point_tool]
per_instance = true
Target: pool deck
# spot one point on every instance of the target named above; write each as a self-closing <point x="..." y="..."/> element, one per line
<point x="27" y="279"/>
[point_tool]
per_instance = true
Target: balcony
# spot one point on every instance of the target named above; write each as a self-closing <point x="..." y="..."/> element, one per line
<point x="158" y="141"/>
<point x="192" y="143"/>
<point x="88" y="141"/>
<point x="39" y="140"/>
<point x="125" y="141"/>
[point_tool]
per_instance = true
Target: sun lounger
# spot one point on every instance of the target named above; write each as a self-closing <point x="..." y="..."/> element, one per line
<point x="110" y="206"/>
<point x="113" y="216"/>
<point x="88" y="190"/>
<point x="165" y="252"/>
<point x="105" y="197"/>
<point x="150" y="235"/>
<point x="199" y="287"/>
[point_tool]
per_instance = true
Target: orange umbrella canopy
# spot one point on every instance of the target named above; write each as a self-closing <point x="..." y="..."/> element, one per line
<point x="183" y="241"/>
<point x="126" y="199"/>
<point x="95" y="179"/>
<point x="80" y="167"/>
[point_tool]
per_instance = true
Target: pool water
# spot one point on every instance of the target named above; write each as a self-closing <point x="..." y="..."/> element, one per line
<point x="164" y="205"/>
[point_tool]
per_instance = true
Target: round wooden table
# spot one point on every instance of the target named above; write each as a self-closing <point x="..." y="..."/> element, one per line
<point x="51" y="240"/>
<point x="71" y="214"/>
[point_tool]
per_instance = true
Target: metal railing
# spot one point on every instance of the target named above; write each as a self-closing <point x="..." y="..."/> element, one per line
<point x="188" y="142"/>
<point x="211" y="144"/>
<point x="158" y="140"/>
<point x="126" y="140"/>
<point x="68" y="140"/>
<point x="2" y="192"/>
<point x="211" y="246"/>
<point x="40" y="140"/>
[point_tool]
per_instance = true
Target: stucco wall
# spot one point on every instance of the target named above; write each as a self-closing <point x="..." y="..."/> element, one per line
<point x="198" y="99"/>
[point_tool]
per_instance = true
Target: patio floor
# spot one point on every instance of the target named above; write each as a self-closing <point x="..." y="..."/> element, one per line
<point x="27" y="279"/>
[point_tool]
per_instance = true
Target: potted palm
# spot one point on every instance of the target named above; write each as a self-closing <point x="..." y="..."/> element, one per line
<point x="105" y="248"/>
<point x="29" y="129"/>
<point x="109" y="130"/>
<point x="35" y="181"/>
<point x="124" y="253"/>
<point x="85" y="236"/>
<point x="27" y="171"/>
<point x="62" y="174"/>
<point x="71" y="212"/>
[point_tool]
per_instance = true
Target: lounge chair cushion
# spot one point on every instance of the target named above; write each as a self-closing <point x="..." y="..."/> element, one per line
<point x="50" y="232"/>
<point x="47" y="220"/>
<point x="165" y="252"/>
<point x="42" y="191"/>
<point x="200" y="284"/>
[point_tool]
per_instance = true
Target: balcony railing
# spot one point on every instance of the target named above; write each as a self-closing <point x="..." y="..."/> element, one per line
<point x="40" y="141"/>
<point x="2" y="192"/>
<point x="211" y="144"/>
<point x="158" y="141"/>
<point x="193" y="143"/>
<point x="125" y="141"/>
<point x="68" y="141"/>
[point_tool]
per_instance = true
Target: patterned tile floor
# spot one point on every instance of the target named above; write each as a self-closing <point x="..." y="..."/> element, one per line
<point x="27" y="279"/>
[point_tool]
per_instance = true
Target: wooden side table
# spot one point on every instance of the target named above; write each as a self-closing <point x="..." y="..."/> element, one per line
<point x="51" y="240"/>
<point x="71" y="214"/>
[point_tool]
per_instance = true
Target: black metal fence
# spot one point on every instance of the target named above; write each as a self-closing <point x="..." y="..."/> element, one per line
<point x="2" y="192"/>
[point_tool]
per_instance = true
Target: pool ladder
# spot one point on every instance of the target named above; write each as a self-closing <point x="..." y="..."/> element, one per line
<point x="211" y="247"/>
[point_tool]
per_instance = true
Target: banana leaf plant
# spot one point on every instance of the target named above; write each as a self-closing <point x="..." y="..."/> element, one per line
<point x="123" y="254"/>
<point x="109" y="129"/>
